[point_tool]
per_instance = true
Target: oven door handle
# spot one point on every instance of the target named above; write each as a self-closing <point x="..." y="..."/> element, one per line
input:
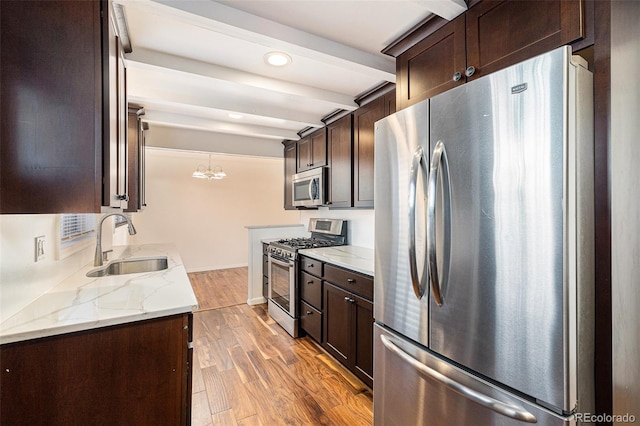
<point x="288" y="264"/>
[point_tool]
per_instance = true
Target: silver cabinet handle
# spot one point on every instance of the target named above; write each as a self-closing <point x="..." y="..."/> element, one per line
<point x="439" y="168"/>
<point x="309" y="313"/>
<point x="471" y="70"/>
<point x="457" y="76"/>
<point x="418" y="283"/>
<point x="505" y="408"/>
<point x="351" y="280"/>
<point x="346" y="298"/>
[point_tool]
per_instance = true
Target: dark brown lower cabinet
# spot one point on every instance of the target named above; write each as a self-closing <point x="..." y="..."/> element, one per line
<point x="132" y="374"/>
<point x="348" y="330"/>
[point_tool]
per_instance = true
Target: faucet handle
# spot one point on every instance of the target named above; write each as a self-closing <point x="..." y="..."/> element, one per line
<point x="105" y="255"/>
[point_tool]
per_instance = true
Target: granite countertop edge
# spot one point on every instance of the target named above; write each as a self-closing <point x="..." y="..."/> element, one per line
<point x="355" y="258"/>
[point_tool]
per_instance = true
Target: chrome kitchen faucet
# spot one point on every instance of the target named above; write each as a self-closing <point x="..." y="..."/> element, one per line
<point x="97" y="260"/>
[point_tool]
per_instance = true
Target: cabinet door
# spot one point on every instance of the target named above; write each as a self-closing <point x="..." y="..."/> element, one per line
<point x="363" y="339"/>
<point x="135" y="373"/>
<point x="337" y="339"/>
<point x="363" y="121"/>
<point x="428" y="68"/>
<point x="312" y="150"/>
<point x="265" y="271"/>
<point x="340" y="149"/>
<point x="318" y="148"/>
<point x="289" y="170"/>
<point x="503" y="33"/>
<point x="135" y="160"/>
<point x="304" y="154"/>
<point x="311" y="320"/>
<point x="390" y="103"/>
<point x="51" y="113"/>
<point x="114" y="117"/>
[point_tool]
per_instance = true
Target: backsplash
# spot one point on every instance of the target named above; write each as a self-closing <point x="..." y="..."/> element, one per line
<point x="22" y="280"/>
<point x="360" y="231"/>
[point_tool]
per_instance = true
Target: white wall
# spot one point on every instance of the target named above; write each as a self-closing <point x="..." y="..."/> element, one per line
<point x="206" y="219"/>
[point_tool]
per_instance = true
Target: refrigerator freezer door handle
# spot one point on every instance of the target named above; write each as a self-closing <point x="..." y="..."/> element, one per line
<point x="438" y="162"/>
<point x="419" y="283"/>
<point x="500" y="407"/>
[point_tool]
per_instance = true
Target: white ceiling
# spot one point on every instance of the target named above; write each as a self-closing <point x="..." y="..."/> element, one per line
<point x="195" y="62"/>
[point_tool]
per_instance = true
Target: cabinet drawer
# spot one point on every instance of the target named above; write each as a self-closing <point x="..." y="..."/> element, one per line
<point x="265" y="287"/>
<point x="311" y="266"/>
<point x="311" y="321"/>
<point x="311" y="289"/>
<point x="351" y="281"/>
<point x="265" y="266"/>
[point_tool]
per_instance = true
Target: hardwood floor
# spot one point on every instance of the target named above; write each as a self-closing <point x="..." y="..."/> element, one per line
<point x="249" y="371"/>
<point x="219" y="288"/>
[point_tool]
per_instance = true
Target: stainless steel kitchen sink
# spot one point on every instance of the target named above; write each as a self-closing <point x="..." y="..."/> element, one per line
<point x="130" y="266"/>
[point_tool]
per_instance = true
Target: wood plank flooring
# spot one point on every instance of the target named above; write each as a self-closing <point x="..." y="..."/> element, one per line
<point x="220" y="288"/>
<point x="249" y="371"/>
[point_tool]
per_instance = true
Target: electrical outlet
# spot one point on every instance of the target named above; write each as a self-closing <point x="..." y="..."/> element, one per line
<point x="39" y="248"/>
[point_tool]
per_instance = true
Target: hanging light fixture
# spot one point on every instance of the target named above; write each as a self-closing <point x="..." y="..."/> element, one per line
<point x="209" y="173"/>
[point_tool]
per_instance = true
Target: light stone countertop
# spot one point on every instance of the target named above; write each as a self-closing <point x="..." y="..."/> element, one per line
<point x="359" y="259"/>
<point x="80" y="303"/>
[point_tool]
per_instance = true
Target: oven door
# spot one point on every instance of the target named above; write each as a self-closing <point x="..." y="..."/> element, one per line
<point x="282" y="284"/>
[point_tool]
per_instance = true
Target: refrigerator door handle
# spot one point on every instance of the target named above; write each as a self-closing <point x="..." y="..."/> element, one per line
<point x="438" y="161"/>
<point x="419" y="283"/>
<point x="500" y="407"/>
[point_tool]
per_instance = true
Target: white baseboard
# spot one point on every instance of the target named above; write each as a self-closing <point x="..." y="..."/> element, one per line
<point x="256" y="301"/>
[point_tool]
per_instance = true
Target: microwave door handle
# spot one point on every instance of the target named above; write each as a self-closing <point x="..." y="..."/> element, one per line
<point x="312" y="184"/>
<point x="505" y="408"/>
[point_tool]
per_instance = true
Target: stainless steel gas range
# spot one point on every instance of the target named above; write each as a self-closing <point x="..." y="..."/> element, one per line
<point x="283" y="297"/>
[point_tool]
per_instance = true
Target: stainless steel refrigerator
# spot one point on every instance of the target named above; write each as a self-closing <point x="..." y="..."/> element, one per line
<point x="484" y="251"/>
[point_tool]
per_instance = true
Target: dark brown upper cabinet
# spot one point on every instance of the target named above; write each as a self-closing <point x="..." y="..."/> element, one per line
<point x="428" y="67"/>
<point x="340" y="154"/>
<point x="63" y="95"/>
<point x="136" y="133"/>
<point x="290" y="161"/>
<point x="503" y="33"/>
<point x="364" y="119"/>
<point x="490" y="36"/>
<point x="312" y="150"/>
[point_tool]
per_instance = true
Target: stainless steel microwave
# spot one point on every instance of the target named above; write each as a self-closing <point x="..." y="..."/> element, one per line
<point x="309" y="187"/>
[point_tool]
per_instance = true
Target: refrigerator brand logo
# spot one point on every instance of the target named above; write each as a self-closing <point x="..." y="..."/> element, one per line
<point x="519" y="88"/>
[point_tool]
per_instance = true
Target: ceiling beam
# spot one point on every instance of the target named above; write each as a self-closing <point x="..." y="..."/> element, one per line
<point x="225" y="19"/>
<point x="241" y="80"/>
<point x="214" y="109"/>
<point x="190" y="122"/>
<point x="447" y="9"/>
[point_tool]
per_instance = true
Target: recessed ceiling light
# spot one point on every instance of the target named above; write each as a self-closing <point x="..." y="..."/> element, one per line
<point x="235" y="115"/>
<point x="277" y="59"/>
